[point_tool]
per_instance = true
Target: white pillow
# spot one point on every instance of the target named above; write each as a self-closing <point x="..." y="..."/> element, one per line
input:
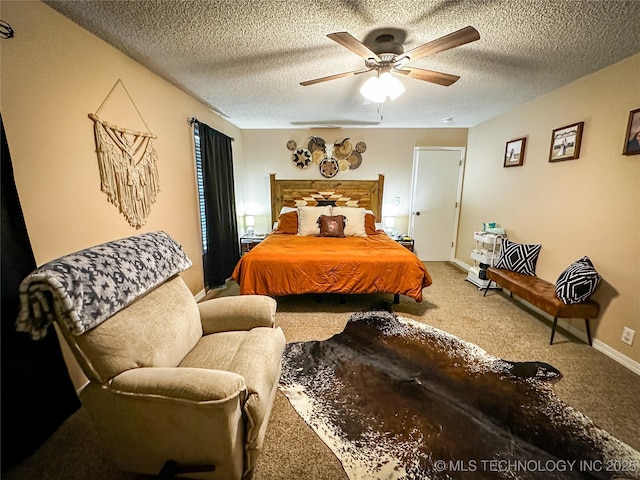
<point x="308" y="220"/>
<point x="355" y="220"/>
<point x="286" y="209"/>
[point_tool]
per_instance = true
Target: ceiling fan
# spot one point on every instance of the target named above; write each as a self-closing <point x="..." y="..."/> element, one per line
<point x="388" y="56"/>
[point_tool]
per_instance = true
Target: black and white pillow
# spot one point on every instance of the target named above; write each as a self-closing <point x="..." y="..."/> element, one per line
<point x="577" y="282"/>
<point x="518" y="257"/>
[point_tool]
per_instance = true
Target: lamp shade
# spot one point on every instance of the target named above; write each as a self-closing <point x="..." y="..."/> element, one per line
<point x="378" y="88"/>
<point x="250" y="222"/>
<point x="371" y="90"/>
<point x="392" y="87"/>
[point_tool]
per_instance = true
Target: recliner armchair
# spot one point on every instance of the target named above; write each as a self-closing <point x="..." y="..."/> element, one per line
<point x="173" y="380"/>
<point x="174" y="386"/>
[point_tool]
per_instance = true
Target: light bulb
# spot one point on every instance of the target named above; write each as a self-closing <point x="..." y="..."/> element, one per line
<point x="378" y="88"/>
<point x="372" y="90"/>
<point x="391" y="85"/>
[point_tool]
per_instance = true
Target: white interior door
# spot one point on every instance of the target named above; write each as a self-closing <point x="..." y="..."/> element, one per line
<point x="436" y="189"/>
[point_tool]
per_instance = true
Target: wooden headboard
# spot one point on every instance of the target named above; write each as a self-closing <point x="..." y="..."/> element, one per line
<point x="350" y="193"/>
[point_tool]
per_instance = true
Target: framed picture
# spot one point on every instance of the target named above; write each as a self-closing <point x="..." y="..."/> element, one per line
<point x="565" y="142"/>
<point x="514" y="152"/>
<point x="632" y="140"/>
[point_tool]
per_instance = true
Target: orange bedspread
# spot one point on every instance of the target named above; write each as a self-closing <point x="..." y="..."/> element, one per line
<point x="290" y="264"/>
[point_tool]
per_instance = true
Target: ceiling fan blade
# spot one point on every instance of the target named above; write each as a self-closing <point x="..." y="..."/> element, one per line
<point x="356" y="46"/>
<point x="334" y="77"/>
<point x="455" y="39"/>
<point x="429" y="76"/>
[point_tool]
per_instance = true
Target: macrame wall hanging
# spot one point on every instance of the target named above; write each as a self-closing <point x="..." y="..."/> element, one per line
<point x="128" y="165"/>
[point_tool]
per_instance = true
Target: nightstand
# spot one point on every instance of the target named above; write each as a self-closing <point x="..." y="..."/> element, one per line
<point x="406" y="242"/>
<point x="248" y="241"/>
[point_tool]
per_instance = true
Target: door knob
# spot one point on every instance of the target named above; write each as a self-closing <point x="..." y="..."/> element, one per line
<point x="417" y="213"/>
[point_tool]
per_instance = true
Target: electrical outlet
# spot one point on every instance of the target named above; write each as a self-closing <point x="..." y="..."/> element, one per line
<point x="627" y="335"/>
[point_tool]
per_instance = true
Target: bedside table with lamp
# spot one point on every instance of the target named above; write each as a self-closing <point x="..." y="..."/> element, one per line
<point x="250" y="239"/>
<point x="404" y="240"/>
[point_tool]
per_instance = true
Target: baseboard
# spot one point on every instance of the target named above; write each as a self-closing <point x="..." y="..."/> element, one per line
<point x="203" y="293"/>
<point x="617" y="356"/>
<point x="576" y="332"/>
<point x="568" y="327"/>
<point x="597" y="344"/>
<point x="461" y="264"/>
<point x="564" y="324"/>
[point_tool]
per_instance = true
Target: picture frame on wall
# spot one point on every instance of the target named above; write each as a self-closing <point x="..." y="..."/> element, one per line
<point x="632" y="139"/>
<point x="565" y="142"/>
<point x="514" y="152"/>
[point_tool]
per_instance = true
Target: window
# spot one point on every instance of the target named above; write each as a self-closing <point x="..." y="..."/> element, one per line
<point x="200" y="180"/>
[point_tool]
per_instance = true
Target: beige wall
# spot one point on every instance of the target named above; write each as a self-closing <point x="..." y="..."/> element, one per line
<point x="389" y="151"/>
<point x="53" y="74"/>
<point x="587" y="206"/>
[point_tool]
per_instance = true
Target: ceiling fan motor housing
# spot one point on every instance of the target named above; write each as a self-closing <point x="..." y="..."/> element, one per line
<point x="386" y="46"/>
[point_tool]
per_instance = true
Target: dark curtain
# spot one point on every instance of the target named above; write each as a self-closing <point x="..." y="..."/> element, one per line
<point x="222" y="249"/>
<point x="37" y="393"/>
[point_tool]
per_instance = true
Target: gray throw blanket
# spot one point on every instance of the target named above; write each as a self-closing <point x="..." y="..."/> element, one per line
<point x="83" y="289"/>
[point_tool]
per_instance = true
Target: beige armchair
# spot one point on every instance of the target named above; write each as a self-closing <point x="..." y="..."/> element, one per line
<point x="180" y="382"/>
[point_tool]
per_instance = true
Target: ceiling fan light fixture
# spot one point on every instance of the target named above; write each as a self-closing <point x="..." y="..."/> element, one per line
<point x="378" y="88"/>
<point x="371" y="90"/>
<point x="391" y="85"/>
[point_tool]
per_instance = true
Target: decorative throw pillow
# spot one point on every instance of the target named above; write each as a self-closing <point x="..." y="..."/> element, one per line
<point x="370" y="224"/>
<point x="308" y="220"/>
<point x="354" y="226"/>
<point x="331" y="226"/>
<point x="286" y="209"/>
<point x="288" y="223"/>
<point x="518" y="257"/>
<point x="577" y="282"/>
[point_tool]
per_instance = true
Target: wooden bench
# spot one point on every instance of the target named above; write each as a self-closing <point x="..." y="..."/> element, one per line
<point x="542" y="294"/>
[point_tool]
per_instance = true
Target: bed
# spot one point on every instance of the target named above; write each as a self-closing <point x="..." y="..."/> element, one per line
<point x="295" y="260"/>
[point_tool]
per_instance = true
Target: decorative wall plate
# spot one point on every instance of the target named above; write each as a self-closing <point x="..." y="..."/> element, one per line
<point x="329" y="167"/>
<point x="361" y="147"/>
<point x="301" y="158"/>
<point x="292" y="145"/>
<point x="355" y="159"/>
<point x="318" y="156"/>
<point x="317" y="144"/>
<point x="344" y="165"/>
<point x="342" y="150"/>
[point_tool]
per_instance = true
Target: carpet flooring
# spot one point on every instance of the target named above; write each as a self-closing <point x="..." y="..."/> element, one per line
<point x="592" y="383"/>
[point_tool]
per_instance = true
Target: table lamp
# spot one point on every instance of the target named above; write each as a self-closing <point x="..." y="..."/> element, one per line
<point x="250" y="222"/>
<point x="389" y="225"/>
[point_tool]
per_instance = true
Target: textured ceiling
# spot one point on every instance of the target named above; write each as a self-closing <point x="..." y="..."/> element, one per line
<point x="247" y="58"/>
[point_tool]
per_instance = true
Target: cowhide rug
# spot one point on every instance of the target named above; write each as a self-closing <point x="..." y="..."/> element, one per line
<point x="397" y="399"/>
